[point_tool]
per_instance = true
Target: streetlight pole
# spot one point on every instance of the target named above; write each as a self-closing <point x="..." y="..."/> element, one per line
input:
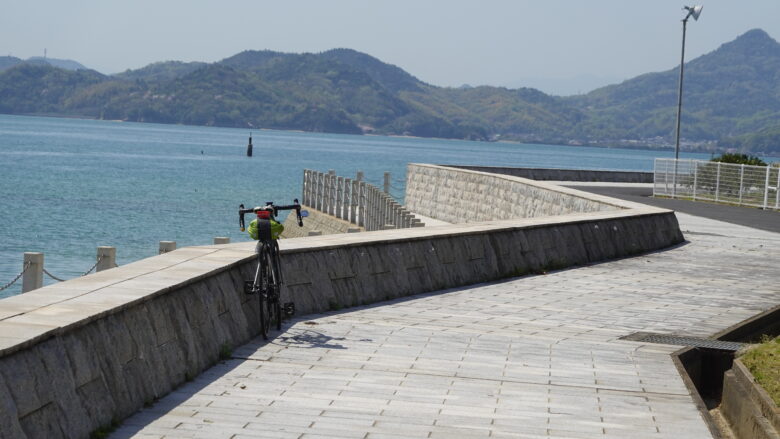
<point x="694" y="12"/>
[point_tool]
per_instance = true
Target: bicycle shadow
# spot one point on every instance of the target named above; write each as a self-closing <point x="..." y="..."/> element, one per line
<point x="308" y="339"/>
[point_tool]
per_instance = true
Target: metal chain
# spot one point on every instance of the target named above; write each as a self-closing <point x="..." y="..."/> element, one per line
<point x="94" y="266"/>
<point x="84" y="274"/>
<point x="53" y="276"/>
<point x="8" y="285"/>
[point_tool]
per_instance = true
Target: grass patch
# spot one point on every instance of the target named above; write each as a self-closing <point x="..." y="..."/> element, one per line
<point x="763" y="361"/>
<point x="225" y="352"/>
<point x="104" y="431"/>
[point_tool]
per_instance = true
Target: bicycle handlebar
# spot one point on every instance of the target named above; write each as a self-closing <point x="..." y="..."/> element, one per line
<point x="269" y="206"/>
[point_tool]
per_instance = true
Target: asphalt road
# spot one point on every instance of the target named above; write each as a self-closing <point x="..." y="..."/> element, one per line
<point x="768" y="220"/>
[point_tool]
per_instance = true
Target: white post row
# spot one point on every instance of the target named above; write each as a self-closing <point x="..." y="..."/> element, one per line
<point x="33" y="276"/>
<point x="387" y="183"/>
<point x="167" y="246"/>
<point x="32" y="279"/>
<point x="766" y="187"/>
<point x="777" y="190"/>
<point x="331" y="192"/>
<point x="353" y="201"/>
<point x="106" y="258"/>
<point x="337" y="195"/>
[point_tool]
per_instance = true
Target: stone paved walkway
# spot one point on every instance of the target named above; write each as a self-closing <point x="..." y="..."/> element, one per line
<point x="534" y="357"/>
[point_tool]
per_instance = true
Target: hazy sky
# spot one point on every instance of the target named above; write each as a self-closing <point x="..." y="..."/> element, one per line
<point x="561" y="47"/>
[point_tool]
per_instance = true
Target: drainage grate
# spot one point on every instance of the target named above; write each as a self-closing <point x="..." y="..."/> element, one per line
<point x="683" y="341"/>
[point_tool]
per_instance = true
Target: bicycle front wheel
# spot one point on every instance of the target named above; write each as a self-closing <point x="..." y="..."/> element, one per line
<point x="262" y="286"/>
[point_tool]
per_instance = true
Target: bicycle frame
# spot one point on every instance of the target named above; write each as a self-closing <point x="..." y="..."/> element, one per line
<point x="267" y="283"/>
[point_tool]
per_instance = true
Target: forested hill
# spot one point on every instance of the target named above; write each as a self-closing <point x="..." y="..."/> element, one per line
<point x="732" y="95"/>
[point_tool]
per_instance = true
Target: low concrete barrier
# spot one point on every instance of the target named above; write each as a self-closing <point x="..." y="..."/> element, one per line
<point x="460" y="195"/>
<point x="748" y="409"/>
<point x="76" y="355"/>
<point x="542" y="174"/>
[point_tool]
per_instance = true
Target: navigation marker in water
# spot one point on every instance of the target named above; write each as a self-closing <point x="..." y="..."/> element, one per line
<point x="249" y="147"/>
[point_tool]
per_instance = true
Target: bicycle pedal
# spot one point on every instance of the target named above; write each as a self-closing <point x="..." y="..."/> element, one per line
<point x="249" y="287"/>
<point x="289" y="308"/>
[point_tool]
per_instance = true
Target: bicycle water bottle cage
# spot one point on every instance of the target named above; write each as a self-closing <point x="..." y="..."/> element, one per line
<point x="263" y="228"/>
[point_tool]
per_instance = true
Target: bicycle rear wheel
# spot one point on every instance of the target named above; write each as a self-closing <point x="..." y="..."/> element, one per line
<point x="262" y="286"/>
<point x="274" y="304"/>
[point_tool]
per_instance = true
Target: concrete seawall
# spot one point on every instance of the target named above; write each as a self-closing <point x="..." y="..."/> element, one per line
<point x="459" y="195"/>
<point x="547" y="174"/>
<point x="77" y="355"/>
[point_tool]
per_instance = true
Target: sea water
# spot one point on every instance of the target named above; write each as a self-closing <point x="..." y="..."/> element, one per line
<point x="68" y="186"/>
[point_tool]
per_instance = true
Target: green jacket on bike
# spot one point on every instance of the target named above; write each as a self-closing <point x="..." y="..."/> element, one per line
<point x="276" y="229"/>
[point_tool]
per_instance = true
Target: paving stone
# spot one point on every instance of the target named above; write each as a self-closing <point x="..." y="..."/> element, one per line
<point x="533" y="357"/>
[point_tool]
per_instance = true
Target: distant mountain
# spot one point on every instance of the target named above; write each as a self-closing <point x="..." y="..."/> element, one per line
<point x="732" y="95"/>
<point x="66" y="64"/>
<point x="7" y="62"/>
<point x="161" y="71"/>
<point x="731" y="91"/>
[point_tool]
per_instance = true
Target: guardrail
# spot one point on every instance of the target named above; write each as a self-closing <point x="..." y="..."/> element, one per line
<point x="744" y="185"/>
<point x="355" y="201"/>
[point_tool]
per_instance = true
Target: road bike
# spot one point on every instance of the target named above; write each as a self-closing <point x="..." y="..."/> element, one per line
<point x="267" y="283"/>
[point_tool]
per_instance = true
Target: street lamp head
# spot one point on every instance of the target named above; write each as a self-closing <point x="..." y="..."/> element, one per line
<point x="694" y="11"/>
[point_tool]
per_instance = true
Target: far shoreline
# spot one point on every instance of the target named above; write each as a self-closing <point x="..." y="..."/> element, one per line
<point x="762" y="155"/>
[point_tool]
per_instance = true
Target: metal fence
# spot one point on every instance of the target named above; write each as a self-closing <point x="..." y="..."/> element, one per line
<point x="355" y="201"/>
<point x="743" y="185"/>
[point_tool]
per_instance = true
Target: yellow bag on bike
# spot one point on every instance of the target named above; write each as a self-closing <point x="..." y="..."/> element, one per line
<point x="269" y="228"/>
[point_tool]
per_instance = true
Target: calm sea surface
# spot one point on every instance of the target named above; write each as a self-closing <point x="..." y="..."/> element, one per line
<point x="68" y="186"/>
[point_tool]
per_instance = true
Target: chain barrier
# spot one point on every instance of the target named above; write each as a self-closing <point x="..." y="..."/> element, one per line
<point x="94" y="266"/>
<point x="84" y="274"/>
<point x="53" y="276"/>
<point x="8" y="285"/>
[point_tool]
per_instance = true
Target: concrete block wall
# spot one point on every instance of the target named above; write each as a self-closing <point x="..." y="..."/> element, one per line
<point x="542" y="174"/>
<point x="96" y="350"/>
<point x="359" y="269"/>
<point x="460" y="195"/>
<point x="747" y="407"/>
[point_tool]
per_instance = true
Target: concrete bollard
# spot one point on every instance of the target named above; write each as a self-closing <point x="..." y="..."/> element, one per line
<point x="315" y="232"/>
<point x="33" y="276"/>
<point x="387" y="183"/>
<point x="167" y="246"/>
<point x="106" y="257"/>
<point x="221" y="240"/>
<point x="353" y="230"/>
<point x="359" y="176"/>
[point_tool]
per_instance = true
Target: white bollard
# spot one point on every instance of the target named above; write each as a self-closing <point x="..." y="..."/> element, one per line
<point x="167" y="246"/>
<point x="106" y="258"/>
<point x="33" y="276"/>
<point x="221" y="240"/>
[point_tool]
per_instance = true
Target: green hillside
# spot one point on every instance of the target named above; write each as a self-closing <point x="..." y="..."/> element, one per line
<point x="732" y="91"/>
<point x="732" y="95"/>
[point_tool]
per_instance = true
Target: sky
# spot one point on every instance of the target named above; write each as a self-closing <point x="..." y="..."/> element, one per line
<point x="560" y="47"/>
